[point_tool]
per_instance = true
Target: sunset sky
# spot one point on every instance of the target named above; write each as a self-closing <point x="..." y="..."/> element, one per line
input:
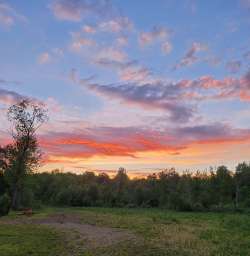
<point x="141" y="84"/>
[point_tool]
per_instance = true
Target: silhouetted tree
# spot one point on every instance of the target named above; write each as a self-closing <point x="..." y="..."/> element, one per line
<point x="224" y="183"/>
<point x="242" y="184"/>
<point x="121" y="181"/>
<point x="23" y="155"/>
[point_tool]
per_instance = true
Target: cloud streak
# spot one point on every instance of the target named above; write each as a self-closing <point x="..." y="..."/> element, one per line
<point x="155" y="34"/>
<point x="191" y="55"/>
<point x="76" y="10"/>
<point x="156" y="96"/>
<point x="179" y="99"/>
<point x="8" y="97"/>
<point x="130" y="141"/>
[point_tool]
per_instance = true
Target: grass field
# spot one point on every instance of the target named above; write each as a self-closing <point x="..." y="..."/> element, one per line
<point x="102" y="231"/>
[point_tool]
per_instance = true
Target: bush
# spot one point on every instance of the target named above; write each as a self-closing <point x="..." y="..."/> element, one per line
<point x="247" y="202"/>
<point x="27" y="198"/>
<point x="37" y="204"/>
<point x="4" y="205"/>
<point x="222" y="208"/>
<point x="198" y="207"/>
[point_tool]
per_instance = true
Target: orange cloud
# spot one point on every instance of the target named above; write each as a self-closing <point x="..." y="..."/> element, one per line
<point x="132" y="143"/>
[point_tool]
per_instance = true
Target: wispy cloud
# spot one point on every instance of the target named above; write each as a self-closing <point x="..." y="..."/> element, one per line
<point x="179" y="99"/>
<point x="131" y="141"/>
<point x="111" y="54"/>
<point x="89" y="29"/>
<point x="95" y="52"/>
<point x="166" y="47"/>
<point x="122" y="41"/>
<point x="135" y="73"/>
<point x="44" y="58"/>
<point x="191" y="55"/>
<point x="76" y="10"/>
<point x="80" y="43"/>
<point x="128" y="71"/>
<point x="157" y="33"/>
<point x="50" y="55"/>
<point x="234" y="66"/>
<point x="8" y="97"/>
<point x="9" y="16"/>
<point x="6" y="82"/>
<point x="74" y="77"/>
<point x="116" y="25"/>
<point x="156" y="96"/>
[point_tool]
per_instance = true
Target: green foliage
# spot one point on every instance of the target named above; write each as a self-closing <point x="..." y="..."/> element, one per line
<point x="4" y="204"/>
<point x="242" y="181"/>
<point x="19" y="159"/>
<point x="3" y="184"/>
<point x="215" y="191"/>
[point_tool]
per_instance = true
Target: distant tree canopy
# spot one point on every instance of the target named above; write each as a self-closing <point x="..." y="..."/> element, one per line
<point x="168" y="189"/>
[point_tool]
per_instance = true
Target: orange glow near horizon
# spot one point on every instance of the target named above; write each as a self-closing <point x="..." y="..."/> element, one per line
<point x="198" y="155"/>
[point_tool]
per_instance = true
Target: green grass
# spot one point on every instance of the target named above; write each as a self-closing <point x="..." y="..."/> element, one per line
<point x="23" y="240"/>
<point x="161" y="233"/>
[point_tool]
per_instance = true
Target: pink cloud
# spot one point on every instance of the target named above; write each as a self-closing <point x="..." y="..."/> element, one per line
<point x="166" y="47"/>
<point x="76" y="10"/>
<point x="122" y="41"/>
<point x="111" y="54"/>
<point x="179" y="99"/>
<point x="191" y="55"/>
<point x="110" y="141"/>
<point x="89" y="29"/>
<point x="9" y="16"/>
<point x="157" y="33"/>
<point x="8" y="97"/>
<point x="80" y="43"/>
<point x="134" y="74"/>
<point x="44" y="58"/>
<point x="116" y="25"/>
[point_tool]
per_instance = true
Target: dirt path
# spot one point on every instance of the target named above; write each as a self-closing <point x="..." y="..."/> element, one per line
<point x="90" y="235"/>
<point x="95" y="236"/>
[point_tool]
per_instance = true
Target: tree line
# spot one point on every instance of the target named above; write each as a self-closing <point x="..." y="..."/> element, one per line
<point x="213" y="191"/>
<point x="216" y="190"/>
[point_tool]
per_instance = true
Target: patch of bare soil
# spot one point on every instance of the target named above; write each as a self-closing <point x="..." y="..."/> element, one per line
<point x="92" y="236"/>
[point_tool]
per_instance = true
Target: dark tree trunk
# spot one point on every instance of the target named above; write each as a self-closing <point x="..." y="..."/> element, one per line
<point x="15" y="203"/>
<point x="237" y="192"/>
<point x="16" y="196"/>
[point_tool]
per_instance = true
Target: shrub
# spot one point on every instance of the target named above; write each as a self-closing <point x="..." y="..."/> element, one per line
<point x="198" y="207"/>
<point x="27" y="198"/>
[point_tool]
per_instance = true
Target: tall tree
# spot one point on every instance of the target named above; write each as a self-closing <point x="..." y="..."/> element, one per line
<point x="24" y="154"/>
<point x="121" y="182"/>
<point x="242" y="180"/>
<point x="224" y="184"/>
